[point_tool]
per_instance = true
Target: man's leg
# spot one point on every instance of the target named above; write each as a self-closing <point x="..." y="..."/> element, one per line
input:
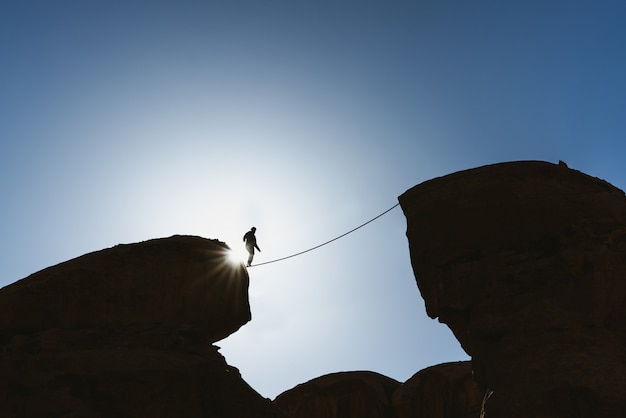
<point x="250" y="256"/>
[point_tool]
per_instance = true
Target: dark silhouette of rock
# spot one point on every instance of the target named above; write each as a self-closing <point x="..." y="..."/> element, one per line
<point x="174" y="283"/>
<point x="443" y="391"/>
<point x="525" y="262"/>
<point x="358" y="394"/>
<point x="127" y="332"/>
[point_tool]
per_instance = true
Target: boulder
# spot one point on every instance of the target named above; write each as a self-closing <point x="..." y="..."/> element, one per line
<point x="128" y="332"/>
<point x="174" y="283"/>
<point x="446" y="390"/>
<point x="357" y="394"/>
<point x="525" y="262"/>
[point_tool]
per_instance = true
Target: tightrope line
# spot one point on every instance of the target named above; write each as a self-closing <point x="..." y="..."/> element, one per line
<point x="327" y="242"/>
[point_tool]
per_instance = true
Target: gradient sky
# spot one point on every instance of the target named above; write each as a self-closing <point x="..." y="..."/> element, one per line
<point x="122" y="121"/>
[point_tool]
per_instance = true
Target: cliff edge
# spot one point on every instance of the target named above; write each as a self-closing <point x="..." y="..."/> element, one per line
<point x="128" y="332"/>
<point x="525" y="262"/>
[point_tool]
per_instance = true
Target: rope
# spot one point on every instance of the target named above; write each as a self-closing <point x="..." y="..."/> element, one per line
<point x="327" y="242"/>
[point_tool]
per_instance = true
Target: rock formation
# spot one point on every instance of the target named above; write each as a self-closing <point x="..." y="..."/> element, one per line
<point x="127" y="332"/>
<point x="443" y="391"/>
<point x="341" y="395"/>
<point x="525" y="262"/>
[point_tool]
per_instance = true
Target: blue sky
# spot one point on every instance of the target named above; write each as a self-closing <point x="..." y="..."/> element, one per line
<point x="126" y="121"/>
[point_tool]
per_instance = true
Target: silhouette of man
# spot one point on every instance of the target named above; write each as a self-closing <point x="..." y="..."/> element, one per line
<point x="250" y="240"/>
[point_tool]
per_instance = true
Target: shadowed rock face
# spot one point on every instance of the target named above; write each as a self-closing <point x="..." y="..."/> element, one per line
<point x="525" y="262"/>
<point x="176" y="283"/>
<point x="127" y="332"/>
<point x="443" y="391"/>
<point x="341" y="395"/>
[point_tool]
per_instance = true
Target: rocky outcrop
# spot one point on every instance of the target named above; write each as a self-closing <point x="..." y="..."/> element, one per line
<point x="443" y="391"/>
<point x="358" y="394"/>
<point x="525" y="262"/>
<point x="127" y="332"/>
<point x="166" y="284"/>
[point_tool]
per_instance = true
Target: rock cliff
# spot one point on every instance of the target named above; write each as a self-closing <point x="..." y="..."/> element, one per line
<point x="525" y="262"/>
<point x="127" y="332"/>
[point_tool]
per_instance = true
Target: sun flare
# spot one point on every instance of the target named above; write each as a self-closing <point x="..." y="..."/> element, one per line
<point x="237" y="256"/>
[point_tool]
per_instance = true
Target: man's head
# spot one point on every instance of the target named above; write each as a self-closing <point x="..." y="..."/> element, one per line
<point x="253" y="229"/>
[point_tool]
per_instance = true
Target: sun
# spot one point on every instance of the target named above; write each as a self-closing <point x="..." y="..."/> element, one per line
<point x="237" y="256"/>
